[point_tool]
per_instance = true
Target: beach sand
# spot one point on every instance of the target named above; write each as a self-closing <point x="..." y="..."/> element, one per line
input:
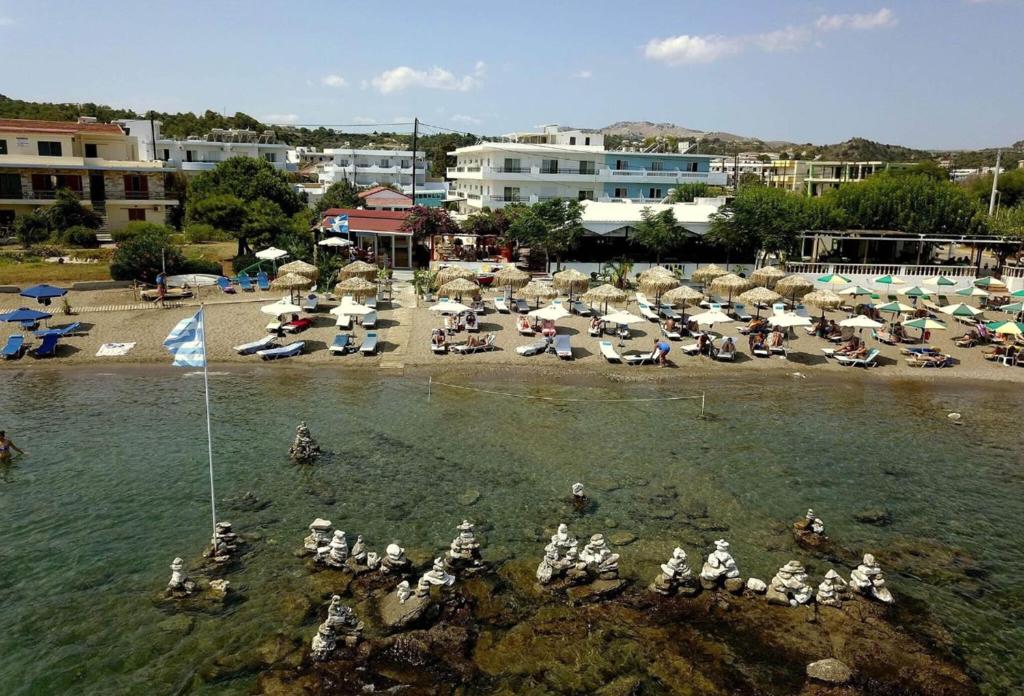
<point x="404" y="331"/>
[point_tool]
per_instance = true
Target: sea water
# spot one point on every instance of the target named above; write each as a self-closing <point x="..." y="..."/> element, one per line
<point x="116" y="485"/>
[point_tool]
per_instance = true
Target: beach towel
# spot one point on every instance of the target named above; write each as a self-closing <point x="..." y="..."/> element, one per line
<point x="111" y="350"/>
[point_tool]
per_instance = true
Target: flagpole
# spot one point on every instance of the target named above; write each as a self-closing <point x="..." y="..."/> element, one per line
<point x="209" y="431"/>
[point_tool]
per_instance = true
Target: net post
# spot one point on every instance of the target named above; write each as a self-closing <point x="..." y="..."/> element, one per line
<point x="702" y="404"/>
<point x="430" y="383"/>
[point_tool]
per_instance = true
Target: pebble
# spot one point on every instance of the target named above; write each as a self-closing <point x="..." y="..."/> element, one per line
<point x="622" y="538"/>
<point x="469" y="497"/>
<point x="757" y="585"/>
<point x="830" y="671"/>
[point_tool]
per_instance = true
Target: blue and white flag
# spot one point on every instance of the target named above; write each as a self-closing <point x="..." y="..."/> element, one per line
<point x="340" y="224"/>
<point x="187" y="342"/>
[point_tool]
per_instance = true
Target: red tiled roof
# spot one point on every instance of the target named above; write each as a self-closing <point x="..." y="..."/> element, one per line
<point x="388" y="221"/>
<point x="29" y="125"/>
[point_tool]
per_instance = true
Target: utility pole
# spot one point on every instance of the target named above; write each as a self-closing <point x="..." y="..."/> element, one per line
<point x="415" y="137"/>
<point x="995" y="183"/>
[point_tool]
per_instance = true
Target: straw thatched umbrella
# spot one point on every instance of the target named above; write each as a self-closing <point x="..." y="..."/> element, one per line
<point x="571" y="280"/>
<point x="450" y="273"/>
<point x="793" y="286"/>
<point x="708" y="273"/>
<point x="538" y="291"/>
<point x="760" y="297"/>
<point x="657" y="270"/>
<point x="730" y="283"/>
<point x="458" y="287"/>
<point x="359" y="269"/>
<point x="511" y="277"/>
<point x="683" y="295"/>
<point x="767" y="276"/>
<point x="604" y="293"/>
<point x="823" y="299"/>
<point x="357" y="287"/>
<point x="300" y="268"/>
<point x="291" y="282"/>
<point x="657" y="283"/>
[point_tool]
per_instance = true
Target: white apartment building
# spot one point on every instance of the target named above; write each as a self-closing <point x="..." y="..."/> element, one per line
<point x="736" y="166"/>
<point x="364" y="168"/>
<point x="569" y="164"/>
<point x="197" y="153"/>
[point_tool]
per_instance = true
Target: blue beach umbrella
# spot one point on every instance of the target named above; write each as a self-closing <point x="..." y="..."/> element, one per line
<point x="43" y="293"/>
<point x="24" y="315"/>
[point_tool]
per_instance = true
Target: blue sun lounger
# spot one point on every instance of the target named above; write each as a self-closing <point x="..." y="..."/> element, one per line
<point x="288" y="351"/>
<point x="225" y="285"/>
<point x="244" y="282"/>
<point x="563" y="346"/>
<point x="66" y="330"/>
<point x="270" y="341"/>
<point x="342" y="344"/>
<point x="15" y="344"/>
<point x="369" y="346"/>
<point x="48" y="348"/>
<point x="521" y="305"/>
<point x="263" y="280"/>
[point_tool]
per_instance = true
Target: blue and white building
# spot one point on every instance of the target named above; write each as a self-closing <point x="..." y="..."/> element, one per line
<point x="556" y="163"/>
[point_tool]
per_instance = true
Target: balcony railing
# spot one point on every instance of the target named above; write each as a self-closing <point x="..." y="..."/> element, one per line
<point x="136" y="195"/>
<point x="50" y="194"/>
<point x="511" y="170"/>
<point x="880" y="269"/>
<point x="14" y="194"/>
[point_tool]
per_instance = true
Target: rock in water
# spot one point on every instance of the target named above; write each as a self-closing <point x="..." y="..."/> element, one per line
<point x="830" y="671"/>
<point x="304" y="449"/>
<point x="469" y="497"/>
<point x="876" y="516"/>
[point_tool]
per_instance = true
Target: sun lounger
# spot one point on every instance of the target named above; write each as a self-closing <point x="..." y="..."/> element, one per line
<point x="47" y="348"/>
<point x="369" y="346"/>
<point x="726" y="355"/>
<point x="269" y="341"/>
<point x="478" y="307"/>
<point x="225" y="285"/>
<point x="342" y="344"/>
<point x="371" y="302"/>
<point x="608" y="351"/>
<point x="884" y="337"/>
<point x="829" y="352"/>
<point x="15" y="344"/>
<point x="668" y="312"/>
<point x="521" y="305"/>
<point x="938" y="360"/>
<point x="262" y="281"/>
<point x="535" y="348"/>
<point x="740" y="313"/>
<point x="868" y="360"/>
<point x="310" y="303"/>
<point x="297" y="325"/>
<point x="801" y="311"/>
<point x="563" y="346"/>
<point x="922" y="350"/>
<point x="596" y="331"/>
<point x="288" y="351"/>
<point x="472" y="325"/>
<point x="671" y="335"/>
<point x="763" y="352"/>
<point x="779" y="308"/>
<point x="274" y="327"/>
<point x="524" y="329"/>
<point x="66" y="330"/>
<point x="369" y="320"/>
<point x="579" y="308"/>
<point x="646" y="312"/>
<point x="500" y="305"/>
<point x="438" y="348"/>
<point x="464" y="348"/>
<point x="244" y="282"/>
<point x="344" y="321"/>
<point x="640" y="358"/>
<point x="691" y="349"/>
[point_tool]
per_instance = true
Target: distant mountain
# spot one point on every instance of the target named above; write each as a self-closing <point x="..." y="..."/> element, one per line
<point x="638" y="130"/>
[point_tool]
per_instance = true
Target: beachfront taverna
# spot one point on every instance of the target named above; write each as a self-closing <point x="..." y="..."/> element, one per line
<point x="569" y="164"/>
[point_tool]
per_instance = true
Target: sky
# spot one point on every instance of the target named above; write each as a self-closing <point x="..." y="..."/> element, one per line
<point x="929" y="74"/>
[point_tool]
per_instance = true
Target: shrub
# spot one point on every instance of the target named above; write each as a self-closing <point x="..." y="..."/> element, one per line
<point x="240" y="263"/>
<point x="203" y="265"/>
<point x="133" y="229"/>
<point x="95" y="254"/>
<point x="32" y="228"/>
<point x="68" y="211"/>
<point x="78" y="236"/>
<point x="142" y="256"/>
<point x="45" y="250"/>
<point x="199" y="232"/>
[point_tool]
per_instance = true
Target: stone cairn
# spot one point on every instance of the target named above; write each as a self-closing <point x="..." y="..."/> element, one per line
<point x="600" y="559"/>
<point x="358" y="553"/>
<point x="304" y="449"/>
<point x="720" y="570"/>
<point x="676" y="576"/>
<point x="224" y="543"/>
<point x="832" y="589"/>
<point x="789" y="586"/>
<point x="579" y="497"/>
<point x="320" y="531"/>
<point x="403" y="591"/>
<point x="868" y="580"/>
<point x="814" y="522"/>
<point x="394" y="561"/>
<point x="463" y="555"/>
<point x="337" y="551"/>
<point x="810" y="531"/>
<point x="561" y="559"/>
<point x="435" y="576"/>
<point x="341" y="623"/>
<point x="180" y="584"/>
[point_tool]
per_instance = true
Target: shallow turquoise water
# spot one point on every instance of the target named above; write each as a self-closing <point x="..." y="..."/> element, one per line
<point x="115" y="486"/>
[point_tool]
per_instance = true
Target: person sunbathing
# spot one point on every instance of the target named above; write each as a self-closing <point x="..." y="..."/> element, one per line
<point x="728" y="346"/>
<point x="859" y="353"/>
<point x="898" y="332"/>
<point x="474" y="342"/>
<point x="775" y="339"/>
<point x="595" y="325"/>
<point x="522" y="323"/>
<point x="669" y="325"/>
<point x="849" y="347"/>
<point x="758" y="344"/>
<point x="438" y="338"/>
<point x="548" y="328"/>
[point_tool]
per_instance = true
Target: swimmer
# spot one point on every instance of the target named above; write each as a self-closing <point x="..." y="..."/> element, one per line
<point x="6" y="445"/>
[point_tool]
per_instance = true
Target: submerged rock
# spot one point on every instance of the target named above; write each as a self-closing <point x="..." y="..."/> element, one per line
<point x="830" y="671"/>
<point x="879" y="517"/>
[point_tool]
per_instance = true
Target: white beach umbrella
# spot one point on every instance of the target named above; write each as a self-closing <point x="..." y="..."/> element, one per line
<point x="271" y="254"/>
<point x="449" y="307"/>
<point x="280" y="307"/>
<point x="861" y="322"/>
<point x="352" y="309"/>
<point x="334" y="242"/>
<point x="787" y="319"/>
<point x="549" y="313"/>
<point x="625" y="318"/>
<point x="714" y="316"/>
<point x="960" y="310"/>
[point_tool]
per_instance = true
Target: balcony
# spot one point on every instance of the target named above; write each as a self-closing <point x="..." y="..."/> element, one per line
<point x="136" y="195"/>
<point x="604" y="175"/>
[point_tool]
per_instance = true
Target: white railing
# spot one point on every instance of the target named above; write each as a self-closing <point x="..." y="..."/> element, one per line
<point x="881" y="269"/>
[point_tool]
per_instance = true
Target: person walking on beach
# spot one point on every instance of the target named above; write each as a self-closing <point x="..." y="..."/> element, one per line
<point x="6" y="445"/>
<point x="161" y="286"/>
<point x="662" y="348"/>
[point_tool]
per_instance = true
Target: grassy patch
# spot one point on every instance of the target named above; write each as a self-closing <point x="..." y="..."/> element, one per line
<point x="58" y="273"/>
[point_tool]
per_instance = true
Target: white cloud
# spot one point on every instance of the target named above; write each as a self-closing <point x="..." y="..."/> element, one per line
<point x="872" y="20"/>
<point x="463" y="118"/>
<point x="281" y="119"/>
<point x="333" y="81"/>
<point x="582" y="74"/>
<point x="364" y="120"/>
<point x="403" y="77"/>
<point x="689" y="49"/>
<point x="6" y="21"/>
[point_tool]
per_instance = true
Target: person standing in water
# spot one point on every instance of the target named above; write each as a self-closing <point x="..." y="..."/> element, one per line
<point x="6" y="445"/>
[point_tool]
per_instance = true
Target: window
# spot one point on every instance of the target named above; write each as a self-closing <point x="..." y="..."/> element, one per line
<point x="586" y="141"/>
<point x="656" y="166"/>
<point x="136" y="214"/>
<point x="48" y="184"/>
<point x="188" y="155"/>
<point x="90" y="150"/>
<point x="691" y="166"/>
<point x="167" y="154"/>
<point x="549" y="166"/>
<point x="621" y="193"/>
<point x="270" y="156"/>
<point x="586" y="167"/>
<point x="10" y="186"/>
<point x="3" y="147"/>
<point x="136" y="186"/>
<point x="49" y="149"/>
<point x="512" y="193"/>
<point x="572" y="139"/>
<point x="513" y="165"/>
<point x="654" y="193"/>
<point x="384" y="163"/>
<point x="586" y="196"/>
<point x="621" y="165"/>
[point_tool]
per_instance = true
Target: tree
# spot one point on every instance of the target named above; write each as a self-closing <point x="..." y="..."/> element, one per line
<point x="264" y="221"/>
<point x="176" y="188"/>
<point x="340" y="194"/>
<point x="1011" y="188"/>
<point x="68" y="211"/>
<point x="32" y="228"/>
<point x="1008" y="223"/>
<point x="223" y="211"/>
<point x="426" y="222"/>
<point x="563" y="222"/>
<point x="749" y="179"/>
<point x="247" y="179"/>
<point x="143" y="256"/>
<point x="686" y="193"/>
<point x="658" y="232"/>
<point x="762" y="218"/>
<point x="487" y="223"/>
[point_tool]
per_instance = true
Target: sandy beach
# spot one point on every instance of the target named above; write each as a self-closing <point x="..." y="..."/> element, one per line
<point x="404" y="330"/>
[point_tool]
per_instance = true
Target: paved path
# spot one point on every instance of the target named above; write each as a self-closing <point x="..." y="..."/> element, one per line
<point x="398" y="334"/>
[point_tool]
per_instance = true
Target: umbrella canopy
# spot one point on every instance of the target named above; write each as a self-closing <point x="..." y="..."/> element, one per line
<point x="550" y="313"/>
<point x="25" y="314"/>
<point x="1013" y="308"/>
<point x="925" y="324"/>
<point x="657" y="283"/>
<point x="939" y="281"/>
<point x="793" y="286"/>
<point x="625" y="318"/>
<point x="683" y="295"/>
<point x="280" y="307"/>
<point x="459" y="287"/>
<point x="1018" y="293"/>
<point x="714" y="316"/>
<point x="352" y="309"/>
<point x="571" y="280"/>
<point x="449" y="307"/>
<point x="855" y="291"/>
<point x="43" y="293"/>
<point x="657" y="270"/>
<point x="334" y="242"/>
<point x="972" y="292"/>
<point x="358" y="269"/>
<point x="861" y="322"/>
<point x="960" y="310"/>
<point x="888" y="280"/>
<point x="990" y="282"/>
<point x="823" y="299"/>
<point x="896" y="308"/>
<point x="834" y="279"/>
<point x="760" y="297"/>
<point x="767" y="276"/>
<point x="511" y="277"/>
<point x="913" y="291"/>
<point x="300" y="268"/>
<point x="708" y="273"/>
<point x="1006" y="328"/>
<point x="730" y="284"/>
<point x="605" y="293"/>
<point x="291" y="281"/>
<point x="538" y="291"/>
<point x="787" y="319"/>
<point x="356" y="287"/>
<point x="271" y="254"/>
<point x="450" y="273"/>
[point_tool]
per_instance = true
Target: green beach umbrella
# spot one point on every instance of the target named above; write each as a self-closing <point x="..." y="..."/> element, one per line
<point x="960" y="310"/>
<point x="1007" y="328"/>
<point x="834" y="279"/>
<point x="925" y="324"/>
<point x="1018" y="293"/>
<point x="990" y="282"/>
<point x="971" y="292"/>
<point x="914" y="291"/>
<point x="1013" y="308"/>
<point x="855" y="290"/>
<point x="896" y="308"/>
<point x="939" y="280"/>
<point x="889" y="280"/>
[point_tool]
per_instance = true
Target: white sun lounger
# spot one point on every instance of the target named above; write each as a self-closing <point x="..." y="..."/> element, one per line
<point x="646" y="312"/>
<point x="369" y="346"/>
<point x="524" y="330"/>
<point x="669" y="313"/>
<point x="288" y="351"/>
<point x="464" y="349"/>
<point x="500" y="305"/>
<point x="342" y="344"/>
<point x="692" y="349"/>
<point x="344" y="321"/>
<point x="640" y="358"/>
<point x="535" y="348"/>
<point x="268" y="341"/>
<point x="726" y="355"/>
<point x="868" y="360"/>
<point x="370" y="320"/>
<point x="608" y="351"/>
<point x="310" y="303"/>
<point x="671" y="335"/>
